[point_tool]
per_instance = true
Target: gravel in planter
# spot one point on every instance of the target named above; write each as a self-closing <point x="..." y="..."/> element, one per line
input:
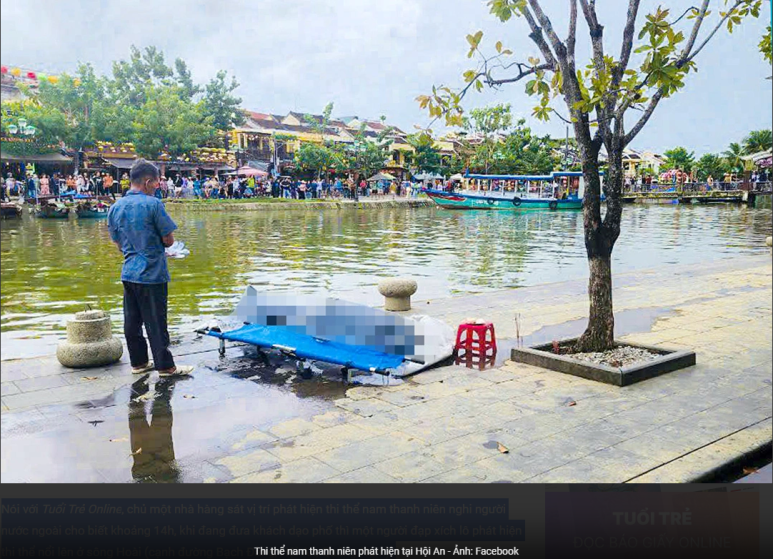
<point x="621" y="356"/>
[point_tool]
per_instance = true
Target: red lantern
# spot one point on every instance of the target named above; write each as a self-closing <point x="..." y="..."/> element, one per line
<point x="31" y="75"/>
<point x="4" y="69"/>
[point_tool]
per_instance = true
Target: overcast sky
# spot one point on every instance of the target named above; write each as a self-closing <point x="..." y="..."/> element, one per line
<point x="373" y="57"/>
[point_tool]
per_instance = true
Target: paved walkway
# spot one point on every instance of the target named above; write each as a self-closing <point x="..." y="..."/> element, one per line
<point x="513" y="423"/>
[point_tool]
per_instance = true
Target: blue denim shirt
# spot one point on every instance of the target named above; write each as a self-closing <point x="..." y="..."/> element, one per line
<point x="138" y="222"/>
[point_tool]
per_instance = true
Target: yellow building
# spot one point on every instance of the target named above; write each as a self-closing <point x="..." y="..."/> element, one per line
<point x="265" y="138"/>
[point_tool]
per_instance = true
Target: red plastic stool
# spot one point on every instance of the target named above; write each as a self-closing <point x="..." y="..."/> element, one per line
<point x="474" y="338"/>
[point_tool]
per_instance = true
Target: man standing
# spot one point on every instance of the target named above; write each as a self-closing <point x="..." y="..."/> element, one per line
<point x="139" y="225"/>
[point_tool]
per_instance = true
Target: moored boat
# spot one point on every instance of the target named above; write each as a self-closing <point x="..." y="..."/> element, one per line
<point x="89" y="210"/>
<point x="53" y="210"/>
<point x="557" y="191"/>
<point x="9" y="210"/>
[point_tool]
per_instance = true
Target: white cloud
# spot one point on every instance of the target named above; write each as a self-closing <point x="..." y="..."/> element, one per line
<point x="370" y="57"/>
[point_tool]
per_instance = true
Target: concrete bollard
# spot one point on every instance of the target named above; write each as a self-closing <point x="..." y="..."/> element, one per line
<point x="90" y="342"/>
<point x="769" y="241"/>
<point x="397" y="293"/>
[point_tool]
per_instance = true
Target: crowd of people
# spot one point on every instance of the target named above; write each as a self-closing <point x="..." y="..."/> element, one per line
<point x="33" y="187"/>
<point x="235" y="187"/>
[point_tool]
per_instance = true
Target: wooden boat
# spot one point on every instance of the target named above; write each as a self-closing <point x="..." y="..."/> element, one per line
<point x="557" y="191"/>
<point x="10" y="210"/>
<point x="91" y="210"/>
<point x="53" y="210"/>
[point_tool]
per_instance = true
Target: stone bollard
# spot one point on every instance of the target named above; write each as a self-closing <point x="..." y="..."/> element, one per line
<point x="769" y="241"/>
<point x="90" y="341"/>
<point x="397" y="293"/>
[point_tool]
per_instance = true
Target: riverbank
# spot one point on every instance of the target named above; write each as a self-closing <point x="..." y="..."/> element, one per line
<point x="263" y="204"/>
<point x="235" y="421"/>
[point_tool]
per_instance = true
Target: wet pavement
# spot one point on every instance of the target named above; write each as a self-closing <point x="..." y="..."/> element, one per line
<point x="243" y="419"/>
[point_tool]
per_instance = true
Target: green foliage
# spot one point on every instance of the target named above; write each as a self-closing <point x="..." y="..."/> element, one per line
<point x="221" y="105"/>
<point x="167" y="123"/>
<point x="426" y="157"/>
<point x="679" y="158"/>
<point x="317" y="158"/>
<point x="367" y="156"/>
<point x="73" y="109"/>
<point x="523" y="153"/>
<point x="733" y="155"/>
<point x="146" y="102"/>
<point x="488" y="123"/>
<point x="766" y="46"/>
<point x="603" y="86"/>
<point x="758" y="140"/>
<point x="711" y="165"/>
<point x="319" y="126"/>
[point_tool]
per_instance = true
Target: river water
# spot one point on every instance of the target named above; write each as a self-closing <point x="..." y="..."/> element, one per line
<point x="53" y="268"/>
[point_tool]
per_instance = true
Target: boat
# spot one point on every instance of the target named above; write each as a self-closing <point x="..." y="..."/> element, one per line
<point x="53" y="210"/>
<point x="558" y="191"/>
<point x="91" y="210"/>
<point x="329" y="330"/>
<point x="10" y="210"/>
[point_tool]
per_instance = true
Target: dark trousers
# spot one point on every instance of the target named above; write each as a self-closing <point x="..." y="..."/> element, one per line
<point x="146" y="304"/>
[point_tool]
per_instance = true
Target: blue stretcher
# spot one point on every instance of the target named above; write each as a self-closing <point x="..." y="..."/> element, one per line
<point x="350" y="335"/>
<point x="309" y="347"/>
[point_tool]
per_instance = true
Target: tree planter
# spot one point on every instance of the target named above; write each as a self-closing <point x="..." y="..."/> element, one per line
<point x="543" y="356"/>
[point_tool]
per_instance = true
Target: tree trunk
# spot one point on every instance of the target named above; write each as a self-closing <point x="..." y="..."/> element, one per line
<point x="600" y="237"/>
<point x="599" y="335"/>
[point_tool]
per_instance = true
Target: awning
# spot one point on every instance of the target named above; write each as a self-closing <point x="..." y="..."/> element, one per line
<point x="119" y="163"/>
<point x="381" y="177"/>
<point x="250" y="172"/>
<point x="37" y="158"/>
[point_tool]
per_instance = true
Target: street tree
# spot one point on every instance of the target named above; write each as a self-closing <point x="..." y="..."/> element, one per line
<point x="598" y="96"/>
<point x="733" y="155"/>
<point x="711" y="165"/>
<point x="75" y="109"/>
<point x="488" y="125"/>
<point x="758" y="140"/>
<point x="521" y="152"/>
<point x="425" y="157"/>
<point x="679" y="158"/>
<point x="169" y="124"/>
<point x="367" y="155"/>
<point x="222" y="106"/>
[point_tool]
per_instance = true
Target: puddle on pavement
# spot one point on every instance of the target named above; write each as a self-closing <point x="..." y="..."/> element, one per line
<point x="626" y="322"/>
<point x="172" y="429"/>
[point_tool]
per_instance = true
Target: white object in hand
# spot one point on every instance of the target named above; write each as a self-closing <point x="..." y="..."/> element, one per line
<point x="177" y="250"/>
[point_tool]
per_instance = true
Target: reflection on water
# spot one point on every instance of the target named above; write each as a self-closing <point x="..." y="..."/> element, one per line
<point x="51" y="268"/>
<point x="152" y="448"/>
<point x="177" y="430"/>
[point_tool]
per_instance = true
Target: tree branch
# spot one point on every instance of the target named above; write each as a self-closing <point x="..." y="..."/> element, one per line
<point x="713" y="32"/>
<point x="572" y="38"/>
<point x="597" y="37"/>
<point x="538" y="38"/>
<point x="687" y="11"/>
<point x="521" y="74"/>
<point x="644" y="118"/>
<point x="695" y="29"/>
<point x="544" y="21"/>
<point x="625" y="53"/>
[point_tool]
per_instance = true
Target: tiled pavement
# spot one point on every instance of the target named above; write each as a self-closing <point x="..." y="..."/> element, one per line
<point x="452" y="424"/>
